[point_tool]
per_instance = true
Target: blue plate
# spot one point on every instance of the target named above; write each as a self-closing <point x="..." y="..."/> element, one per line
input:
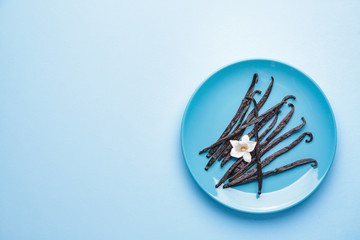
<point x="214" y="104"/>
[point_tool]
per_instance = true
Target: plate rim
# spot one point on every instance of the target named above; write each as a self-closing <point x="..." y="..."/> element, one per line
<point x="258" y="60"/>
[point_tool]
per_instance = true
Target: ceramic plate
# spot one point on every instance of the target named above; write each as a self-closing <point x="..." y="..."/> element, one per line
<point x="214" y="104"/>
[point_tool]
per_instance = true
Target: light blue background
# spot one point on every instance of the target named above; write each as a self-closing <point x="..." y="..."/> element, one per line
<point x="91" y="99"/>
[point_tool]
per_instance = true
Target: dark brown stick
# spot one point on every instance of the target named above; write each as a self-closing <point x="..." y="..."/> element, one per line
<point x="255" y="120"/>
<point x="226" y="144"/>
<point x="267" y="147"/>
<point x="226" y="156"/>
<point x="227" y="150"/>
<point x="229" y="171"/>
<point x="220" y="150"/>
<point x="268" y="129"/>
<point x="247" y="108"/>
<point x="238" y="113"/>
<point x="231" y="136"/>
<point x="257" y="151"/>
<point x="264" y="122"/>
<point x="262" y="101"/>
<point x="242" y="166"/>
<point x="281" y="125"/>
<point x="239" y="170"/>
<point x="271" y="158"/>
<point x="240" y="160"/>
<point x="251" y="135"/>
<point x="282" y="169"/>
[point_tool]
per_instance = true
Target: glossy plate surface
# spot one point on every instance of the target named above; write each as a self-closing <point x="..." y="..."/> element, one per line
<point x="214" y="104"/>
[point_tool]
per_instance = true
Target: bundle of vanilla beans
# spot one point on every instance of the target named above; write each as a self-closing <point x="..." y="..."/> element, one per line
<point x="240" y="171"/>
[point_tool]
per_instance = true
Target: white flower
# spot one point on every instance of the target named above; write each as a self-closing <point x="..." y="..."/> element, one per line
<point x="242" y="148"/>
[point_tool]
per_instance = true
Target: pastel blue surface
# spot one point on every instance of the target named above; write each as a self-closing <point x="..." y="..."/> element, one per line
<point x="215" y="103"/>
<point x="92" y="95"/>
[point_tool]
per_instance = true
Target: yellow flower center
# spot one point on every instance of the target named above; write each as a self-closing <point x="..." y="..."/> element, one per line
<point x="243" y="148"/>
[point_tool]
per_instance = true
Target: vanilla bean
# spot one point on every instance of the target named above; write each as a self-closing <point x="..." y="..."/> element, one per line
<point x="220" y="150"/>
<point x="257" y="151"/>
<point x="225" y="144"/>
<point x="265" y="121"/>
<point x="267" y="147"/>
<point x="268" y="129"/>
<point x="262" y="101"/>
<point x="226" y="154"/>
<point x="236" y="132"/>
<point x="239" y="163"/>
<point x="282" y="169"/>
<point x="238" y="113"/>
<point x="281" y="125"/>
<point x="251" y="135"/>
<point x="271" y="158"/>
<point x="229" y="171"/>
<point x="247" y="108"/>
<point x="255" y="120"/>
<point x="219" y="154"/>
<point x="243" y="168"/>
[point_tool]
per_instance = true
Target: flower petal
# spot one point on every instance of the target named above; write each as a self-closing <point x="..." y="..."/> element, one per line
<point x="234" y="143"/>
<point x="236" y="154"/>
<point x="251" y="146"/>
<point x="247" y="157"/>
<point x="245" y="138"/>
